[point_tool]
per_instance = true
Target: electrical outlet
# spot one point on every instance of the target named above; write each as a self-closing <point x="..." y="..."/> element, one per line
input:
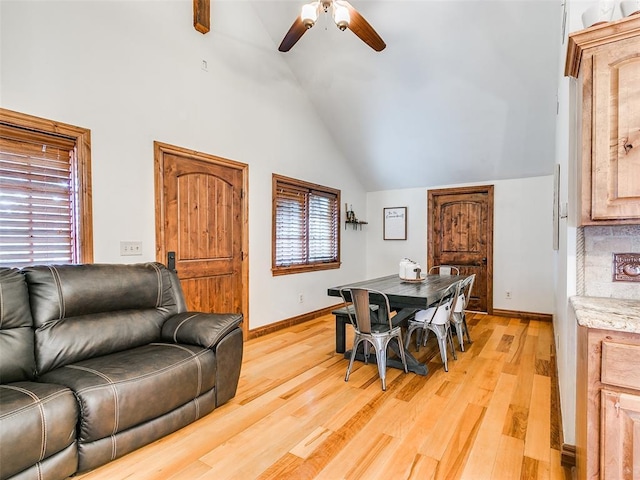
<point x="507" y="294"/>
<point x="130" y="248"/>
<point x="300" y="298"/>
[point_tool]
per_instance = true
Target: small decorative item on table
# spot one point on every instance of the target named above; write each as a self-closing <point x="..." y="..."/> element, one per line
<point x="410" y="271"/>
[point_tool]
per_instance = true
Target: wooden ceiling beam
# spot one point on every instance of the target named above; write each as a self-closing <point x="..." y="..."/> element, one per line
<point x="202" y="15"/>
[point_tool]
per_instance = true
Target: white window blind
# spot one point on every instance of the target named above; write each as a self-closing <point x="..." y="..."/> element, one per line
<point x="323" y="225"/>
<point x="306" y="224"/>
<point x="37" y="198"/>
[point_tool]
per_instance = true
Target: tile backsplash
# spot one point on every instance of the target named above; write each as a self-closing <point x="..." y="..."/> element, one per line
<point x="595" y="260"/>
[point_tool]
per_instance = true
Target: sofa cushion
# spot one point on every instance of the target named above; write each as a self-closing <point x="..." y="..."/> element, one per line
<point x="17" y="360"/>
<point x="99" y="452"/>
<point x="79" y="338"/>
<point x="124" y="389"/>
<point x="37" y="420"/>
<point x="59" y="465"/>
<point x="84" y="311"/>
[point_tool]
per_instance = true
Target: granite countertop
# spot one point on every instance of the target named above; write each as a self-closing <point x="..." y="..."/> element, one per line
<point x="607" y="313"/>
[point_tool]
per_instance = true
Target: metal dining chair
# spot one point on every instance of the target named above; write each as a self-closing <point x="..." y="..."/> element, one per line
<point x="444" y="270"/>
<point x="459" y="317"/>
<point x="436" y="319"/>
<point x="371" y="333"/>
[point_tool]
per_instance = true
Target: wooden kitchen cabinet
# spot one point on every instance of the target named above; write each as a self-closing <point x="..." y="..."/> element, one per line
<point x="620" y="427"/>
<point x="605" y="59"/>
<point x="607" y="404"/>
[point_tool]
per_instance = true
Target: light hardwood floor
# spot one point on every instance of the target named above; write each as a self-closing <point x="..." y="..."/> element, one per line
<point x="494" y="415"/>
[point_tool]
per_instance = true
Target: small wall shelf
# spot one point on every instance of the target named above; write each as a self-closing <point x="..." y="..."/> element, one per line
<point x="356" y="224"/>
<point x="351" y="219"/>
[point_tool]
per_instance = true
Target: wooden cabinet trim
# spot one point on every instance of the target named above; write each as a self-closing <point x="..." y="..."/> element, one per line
<point x="597" y="36"/>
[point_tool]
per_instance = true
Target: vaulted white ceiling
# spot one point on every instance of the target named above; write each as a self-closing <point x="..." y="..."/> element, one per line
<point x="464" y="92"/>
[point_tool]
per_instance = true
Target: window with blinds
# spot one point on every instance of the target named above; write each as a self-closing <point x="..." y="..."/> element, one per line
<point x="38" y="198"/>
<point x="306" y="232"/>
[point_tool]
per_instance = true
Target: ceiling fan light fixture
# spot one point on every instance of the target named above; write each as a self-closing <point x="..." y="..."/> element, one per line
<point x="309" y="14"/>
<point x="341" y="16"/>
<point x="344" y="16"/>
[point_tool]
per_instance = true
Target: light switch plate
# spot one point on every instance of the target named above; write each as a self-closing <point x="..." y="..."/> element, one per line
<point x="130" y="248"/>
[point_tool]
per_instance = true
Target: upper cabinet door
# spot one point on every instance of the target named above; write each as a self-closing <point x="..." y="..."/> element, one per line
<point x="616" y="132"/>
<point x="606" y="60"/>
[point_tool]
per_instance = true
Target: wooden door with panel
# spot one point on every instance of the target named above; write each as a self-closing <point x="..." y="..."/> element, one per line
<point x="460" y="233"/>
<point x="201" y="220"/>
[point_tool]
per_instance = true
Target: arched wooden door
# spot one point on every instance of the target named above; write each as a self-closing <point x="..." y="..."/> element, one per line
<point x="460" y="233"/>
<point x="201" y="220"/>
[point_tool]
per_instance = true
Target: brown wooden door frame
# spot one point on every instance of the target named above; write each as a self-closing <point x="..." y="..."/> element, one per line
<point x="161" y="149"/>
<point x="488" y="189"/>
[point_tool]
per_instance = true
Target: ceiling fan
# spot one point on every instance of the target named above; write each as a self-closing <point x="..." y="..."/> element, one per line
<point x="343" y="14"/>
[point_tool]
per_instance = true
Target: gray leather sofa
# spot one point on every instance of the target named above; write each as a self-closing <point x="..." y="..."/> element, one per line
<point x="98" y="360"/>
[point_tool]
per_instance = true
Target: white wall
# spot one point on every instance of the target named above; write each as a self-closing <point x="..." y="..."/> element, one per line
<point x="564" y="323"/>
<point x="522" y="248"/>
<point x="383" y="256"/>
<point x="132" y="74"/>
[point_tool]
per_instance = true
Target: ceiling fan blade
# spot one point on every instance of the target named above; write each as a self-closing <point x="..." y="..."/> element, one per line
<point x="363" y="30"/>
<point x="293" y="35"/>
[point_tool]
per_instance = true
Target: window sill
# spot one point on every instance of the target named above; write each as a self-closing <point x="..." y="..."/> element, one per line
<point x="276" y="271"/>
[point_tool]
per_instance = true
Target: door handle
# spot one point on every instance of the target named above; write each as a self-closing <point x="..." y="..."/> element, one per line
<point x="171" y="261"/>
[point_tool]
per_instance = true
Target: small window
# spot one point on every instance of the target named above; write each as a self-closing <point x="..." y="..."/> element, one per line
<point x="45" y="192"/>
<point x="306" y="226"/>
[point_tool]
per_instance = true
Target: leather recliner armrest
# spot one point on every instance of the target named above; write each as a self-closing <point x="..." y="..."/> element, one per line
<point x="197" y="328"/>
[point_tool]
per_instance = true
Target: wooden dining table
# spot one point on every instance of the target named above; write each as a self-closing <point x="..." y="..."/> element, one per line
<point x="405" y="298"/>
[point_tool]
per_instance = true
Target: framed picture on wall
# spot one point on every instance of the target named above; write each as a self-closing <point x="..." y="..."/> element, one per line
<point x="394" y="223"/>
